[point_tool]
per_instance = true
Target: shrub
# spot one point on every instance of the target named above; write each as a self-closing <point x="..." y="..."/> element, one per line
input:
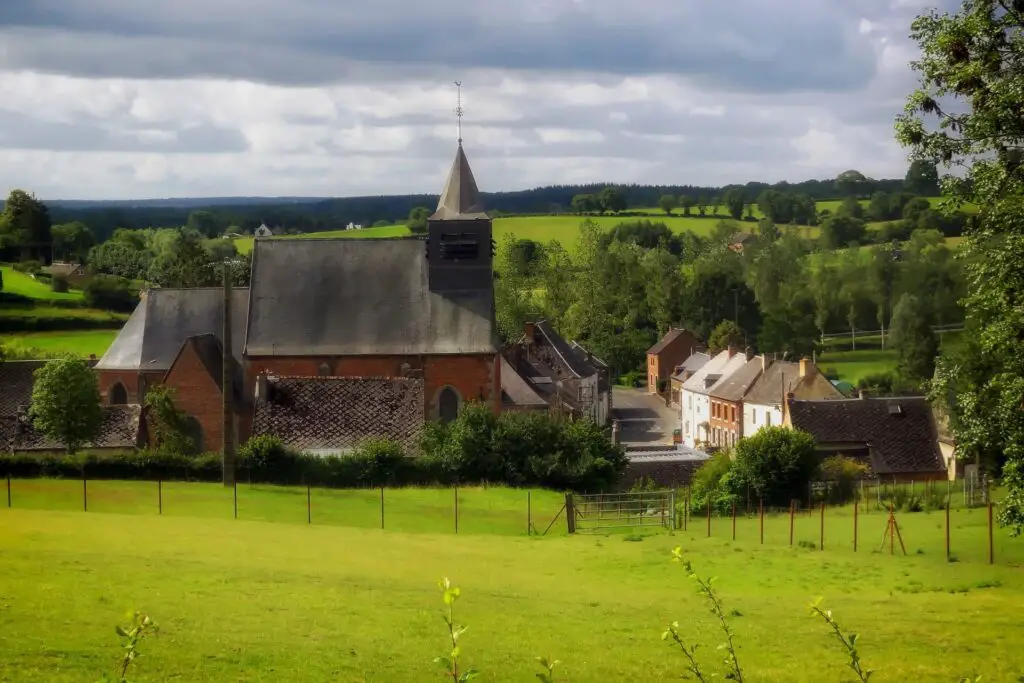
<point x="29" y="267"/>
<point x="776" y="463"/>
<point x="111" y="293"/>
<point x="710" y="485"/>
<point x="842" y="475"/>
<point x="59" y="284"/>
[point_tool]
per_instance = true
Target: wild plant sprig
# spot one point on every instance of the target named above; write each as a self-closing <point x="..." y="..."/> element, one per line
<point x="848" y="640"/>
<point x="451" y="661"/>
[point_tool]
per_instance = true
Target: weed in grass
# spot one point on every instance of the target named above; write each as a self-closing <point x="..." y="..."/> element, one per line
<point x="633" y="538"/>
<point x="848" y="641"/>
<point x="140" y="627"/>
<point x="451" y="661"/>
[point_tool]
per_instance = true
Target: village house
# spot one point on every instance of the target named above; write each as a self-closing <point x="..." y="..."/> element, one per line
<point x="726" y="398"/>
<point x="695" y="404"/>
<point x="566" y="375"/>
<point x="662" y="359"/>
<point x="764" y="402"/>
<point x="896" y="438"/>
<point x="741" y="240"/>
<point x="684" y="372"/>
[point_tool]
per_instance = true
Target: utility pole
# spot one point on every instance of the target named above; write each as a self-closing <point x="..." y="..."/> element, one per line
<point x="227" y="385"/>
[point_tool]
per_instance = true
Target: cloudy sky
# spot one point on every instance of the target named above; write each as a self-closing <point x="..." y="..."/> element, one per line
<point x="110" y="99"/>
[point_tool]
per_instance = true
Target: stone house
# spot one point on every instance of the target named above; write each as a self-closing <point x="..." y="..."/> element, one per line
<point x="669" y="352"/>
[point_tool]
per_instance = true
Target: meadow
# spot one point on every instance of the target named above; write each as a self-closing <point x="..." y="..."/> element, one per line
<point x="252" y="600"/>
<point x="25" y="285"/>
<point x="48" y="344"/>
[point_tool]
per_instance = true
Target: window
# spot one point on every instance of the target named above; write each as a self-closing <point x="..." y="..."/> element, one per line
<point x="448" y="404"/>
<point x="767" y="419"/>
<point x="118" y="395"/>
<point x="753" y="416"/>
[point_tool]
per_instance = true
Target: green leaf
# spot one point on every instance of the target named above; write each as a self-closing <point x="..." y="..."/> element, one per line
<point x="120" y="631"/>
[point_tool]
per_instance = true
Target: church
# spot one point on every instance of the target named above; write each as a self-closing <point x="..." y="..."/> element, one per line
<point x="335" y="340"/>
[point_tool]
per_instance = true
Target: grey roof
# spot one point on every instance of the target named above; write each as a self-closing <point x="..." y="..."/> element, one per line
<point x="573" y="359"/>
<point x="120" y="429"/>
<point x="735" y="386"/>
<point x="677" y="453"/>
<point x="338" y="413"/>
<point x="359" y="297"/>
<point x="16" y="381"/>
<point x="769" y="389"/>
<point x="516" y="390"/>
<point x="664" y="342"/>
<point x="165" y="318"/>
<point x="460" y="199"/>
<point x="692" y="364"/>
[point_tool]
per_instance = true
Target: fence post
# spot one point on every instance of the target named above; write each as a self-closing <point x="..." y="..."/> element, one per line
<point x="456" y="509"/>
<point x="822" y="525"/>
<point x="381" y="507"/>
<point x="991" y="547"/>
<point x="529" y="513"/>
<point x="309" y="505"/>
<point x="709" y="516"/>
<point x="686" y="509"/>
<point x="856" y="506"/>
<point x="159" y="496"/>
<point x="734" y="521"/>
<point x="8" y="489"/>
<point x="792" y="511"/>
<point x="947" y="529"/>
<point x="85" y="493"/>
<point x="760" y="513"/>
<point x="234" y="488"/>
<point x="570" y="513"/>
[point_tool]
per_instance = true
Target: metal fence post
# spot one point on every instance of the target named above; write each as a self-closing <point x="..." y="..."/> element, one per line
<point x="85" y="493"/>
<point x="381" y="507"/>
<point x="456" y="509"/>
<point x="529" y="513"/>
<point x="160" y="496"/>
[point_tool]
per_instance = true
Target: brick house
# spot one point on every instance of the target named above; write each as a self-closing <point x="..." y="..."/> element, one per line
<point x="726" y="397"/>
<point x="671" y="350"/>
<point x="896" y="438"/>
<point x="695" y="401"/>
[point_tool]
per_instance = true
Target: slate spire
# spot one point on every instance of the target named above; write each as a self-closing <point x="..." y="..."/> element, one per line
<point x="460" y="198"/>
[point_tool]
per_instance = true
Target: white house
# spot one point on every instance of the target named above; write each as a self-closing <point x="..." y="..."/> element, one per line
<point x="263" y="231"/>
<point x="694" y="404"/>
<point x="764" y="402"/>
<point x="354" y="226"/>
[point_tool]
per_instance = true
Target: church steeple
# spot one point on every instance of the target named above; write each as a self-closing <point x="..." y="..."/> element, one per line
<point x="460" y="199"/>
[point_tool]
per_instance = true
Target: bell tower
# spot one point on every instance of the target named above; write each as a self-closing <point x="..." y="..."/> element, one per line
<point x="460" y="249"/>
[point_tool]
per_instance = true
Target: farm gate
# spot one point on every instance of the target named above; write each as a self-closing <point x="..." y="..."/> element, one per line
<point x="629" y="510"/>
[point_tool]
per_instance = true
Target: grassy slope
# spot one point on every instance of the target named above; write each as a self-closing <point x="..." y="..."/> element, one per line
<point x="25" y="285"/>
<point x="242" y="600"/>
<point x="80" y="342"/>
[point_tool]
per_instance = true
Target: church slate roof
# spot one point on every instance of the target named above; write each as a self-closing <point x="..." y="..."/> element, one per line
<point x="460" y="199"/>
<point x="338" y="413"/>
<point x="164" y="318"/>
<point x="16" y="381"/>
<point x="339" y="296"/>
<point x="120" y="429"/>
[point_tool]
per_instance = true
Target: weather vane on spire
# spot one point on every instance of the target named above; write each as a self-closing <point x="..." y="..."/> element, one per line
<point x="459" y="111"/>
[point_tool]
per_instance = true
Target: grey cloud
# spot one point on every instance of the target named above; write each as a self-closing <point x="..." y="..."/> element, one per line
<point x="754" y="45"/>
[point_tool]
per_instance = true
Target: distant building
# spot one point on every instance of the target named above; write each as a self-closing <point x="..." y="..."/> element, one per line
<point x="263" y="231"/>
<point x="764" y="403"/>
<point x="671" y="350"/>
<point x="354" y="226"/>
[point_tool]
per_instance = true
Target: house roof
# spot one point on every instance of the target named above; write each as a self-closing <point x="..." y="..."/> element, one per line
<point x="734" y="387"/>
<point x="664" y="342"/>
<point x="460" y="199"/>
<point x="209" y="350"/>
<point x="164" y="318"/>
<point x="713" y="366"/>
<point x="516" y="390"/>
<point x="742" y="237"/>
<point x="900" y="431"/>
<point x="573" y="359"/>
<point x="591" y="358"/>
<point x="692" y="364"/>
<point x="718" y="378"/>
<point x="773" y="385"/>
<point x="16" y="381"/>
<point x="331" y="413"/>
<point x="358" y="297"/>
<point x="119" y="429"/>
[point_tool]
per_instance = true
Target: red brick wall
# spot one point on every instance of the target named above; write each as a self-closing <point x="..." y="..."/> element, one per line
<point x="675" y="353"/>
<point x="196" y="394"/>
<point x="475" y="377"/>
<point x="725" y="421"/>
<point x="129" y="378"/>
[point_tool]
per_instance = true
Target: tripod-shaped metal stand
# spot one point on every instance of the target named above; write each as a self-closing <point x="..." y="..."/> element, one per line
<point x="892" y="532"/>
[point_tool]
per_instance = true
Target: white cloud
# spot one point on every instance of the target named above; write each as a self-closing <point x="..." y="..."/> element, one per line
<point x="220" y="97"/>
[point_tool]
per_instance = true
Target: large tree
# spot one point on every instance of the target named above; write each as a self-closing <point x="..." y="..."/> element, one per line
<point x="25" y="227"/>
<point x="922" y="178"/>
<point x="965" y="115"/>
<point x="912" y="336"/>
<point x="66" y="402"/>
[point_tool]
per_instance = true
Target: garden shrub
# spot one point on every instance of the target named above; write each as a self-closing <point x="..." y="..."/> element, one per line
<point x="111" y="293"/>
<point x="59" y="284"/>
<point x="712" y="484"/>
<point x="776" y="464"/>
<point x="842" y="475"/>
<point x="28" y="267"/>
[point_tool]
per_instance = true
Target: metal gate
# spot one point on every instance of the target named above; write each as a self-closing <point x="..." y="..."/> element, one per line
<point x="630" y="510"/>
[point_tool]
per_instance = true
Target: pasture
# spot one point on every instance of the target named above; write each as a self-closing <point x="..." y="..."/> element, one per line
<point x="25" y="285"/>
<point x="258" y="601"/>
<point x="46" y="344"/>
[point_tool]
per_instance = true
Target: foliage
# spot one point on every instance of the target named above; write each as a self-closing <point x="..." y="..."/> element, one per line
<point x="726" y="334"/>
<point x="612" y="199"/>
<point x="112" y="293"/>
<point x="668" y="203"/>
<point x="417" y="221"/>
<point x="842" y="475"/>
<point x="72" y="240"/>
<point x="169" y="424"/>
<point x="847" y="640"/>
<point x="912" y="336"/>
<point x="59" y="284"/>
<point x="840" y="231"/>
<point x="776" y="464"/>
<point x="922" y="178"/>
<point x="734" y="199"/>
<point x="140" y="627"/>
<point x="713" y="485"/>
<point x="450" y="662"/>
<point x="66" y="402"/>
<point x="965" y="116"/>
<point x="25" y="227"/>
<point x="852" y="183"/>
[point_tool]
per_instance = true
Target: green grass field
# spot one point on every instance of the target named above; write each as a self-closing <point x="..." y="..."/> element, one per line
<point x="25" y="285"/>
<point x="256" y="601"/>
<point x="44" y="344"/>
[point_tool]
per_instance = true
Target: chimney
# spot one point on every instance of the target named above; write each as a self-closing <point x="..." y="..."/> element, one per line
<point x="262" y="387"/>
<point x="530" y="329"/>
<point x="807" y="368"/>
<point x="749" y="352"/>
<point x="732" y="350"/>
<point x="227" y="382"/>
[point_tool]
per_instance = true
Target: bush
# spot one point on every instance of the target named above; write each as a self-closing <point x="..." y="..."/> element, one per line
<point x="59" y="284"/>
<point x="776" y="463"/>
<point x="842" y="475"/>
<point x="29" y="267"/>
<point x="111" y="293"/>
<point x="713" y="485"/>
<point x="130" y="465"/>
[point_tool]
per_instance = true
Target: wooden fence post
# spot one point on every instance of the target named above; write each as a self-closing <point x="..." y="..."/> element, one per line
<point x="991" y="546"/>
<point x="947" y="529"/>
<point x="8" y="489"/>
<point x="456" y="509"/>
<point x="760" y="506"/>
<point x="85" y="494"/>
<point x="570" y="513"/>
<point x="529" y="513"/>
<point x="822" y="525"/>
<point x="381" y="507"/>
<point x="856" y="507"/>
<point x="309" y="505"/>
<point x="792" y="511"/>
<point x="234" y="488"/>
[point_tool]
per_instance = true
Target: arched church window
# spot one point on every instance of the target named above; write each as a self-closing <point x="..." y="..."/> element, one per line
<point x="448" y="404"/>
<point x="118" y="395"/>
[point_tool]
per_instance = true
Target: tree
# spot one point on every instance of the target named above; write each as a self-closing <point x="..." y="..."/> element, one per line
<point x="912" y="336"/>
<point x="585" y="203"/>
<point x="612" y="199"/>
<point x="776" y="464"/>
<point x="767" y="231"/>
<point x="734" y="201"/>
<point x="668" y="203"/>
<point x="922" y="178"/>
<point x="851" y="208"/>
<point x="110" y="293"/>
<point x="664" y="287"/>
<point x="687" y="202"/>
<point x="417" y="221"/>
<point x="851" y="183"/>
<point x="726" y="334"/>
<point x="72" y="240"/>
<point x="169" y="424"/>
<point x="702" y="204"/>
<point x="203" y="222"/>
<point x="66" y="402"/>
<point x="183" y="262"/>
<point x="25" y="226"/>
<point x="880" y="207"/>
<point x="840" y="231"/>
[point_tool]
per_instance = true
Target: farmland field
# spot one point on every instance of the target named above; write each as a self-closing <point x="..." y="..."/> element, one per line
<point x="27" y="286"/>
<point x="257" y="601"/>
<point x="78" y="342"/>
